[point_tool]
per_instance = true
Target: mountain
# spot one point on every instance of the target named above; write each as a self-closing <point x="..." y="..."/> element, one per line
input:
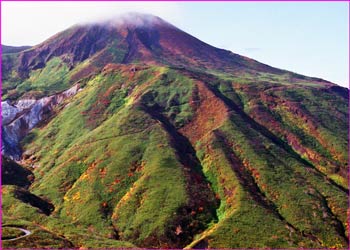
<point x="12" y="49"/>
<point x="133" y="133"/>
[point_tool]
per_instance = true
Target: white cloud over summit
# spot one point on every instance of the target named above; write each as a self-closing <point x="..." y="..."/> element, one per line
<point x="30" y="23"/>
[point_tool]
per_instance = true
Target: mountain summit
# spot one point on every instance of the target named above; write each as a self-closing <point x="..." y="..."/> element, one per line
<point x="133" y="133"/>
<point x="138" y="37"/>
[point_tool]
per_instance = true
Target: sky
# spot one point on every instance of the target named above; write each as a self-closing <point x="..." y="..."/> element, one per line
<point x="310" y="38"/>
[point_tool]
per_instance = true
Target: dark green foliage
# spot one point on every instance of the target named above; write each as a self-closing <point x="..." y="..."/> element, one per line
<point x="14" y="174"/>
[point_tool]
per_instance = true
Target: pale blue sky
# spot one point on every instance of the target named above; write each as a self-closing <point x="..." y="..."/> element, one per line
<point x="309" y="38"/>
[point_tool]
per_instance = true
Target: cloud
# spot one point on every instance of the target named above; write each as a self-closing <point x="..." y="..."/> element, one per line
<point x="29" y="23"/>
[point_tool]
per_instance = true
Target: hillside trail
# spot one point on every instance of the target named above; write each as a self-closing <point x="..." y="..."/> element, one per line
<point x="25" y="231"/>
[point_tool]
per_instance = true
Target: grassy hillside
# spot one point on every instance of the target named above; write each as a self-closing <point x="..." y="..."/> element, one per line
<point x="159" y="157"/>
<point x="172" y="143"/>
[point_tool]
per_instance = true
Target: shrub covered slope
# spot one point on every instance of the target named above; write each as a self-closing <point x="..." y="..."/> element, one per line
<point x="172" y="143"/>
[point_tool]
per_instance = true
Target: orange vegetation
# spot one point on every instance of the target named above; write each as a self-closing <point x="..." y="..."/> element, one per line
<point x="210" y="113"/>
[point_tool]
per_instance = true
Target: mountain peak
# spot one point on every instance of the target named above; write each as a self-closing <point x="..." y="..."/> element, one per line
<point x="134" y="20"/>
<point x="138" y="37"/>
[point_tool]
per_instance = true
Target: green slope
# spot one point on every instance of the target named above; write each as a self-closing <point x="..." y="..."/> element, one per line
<point x="172" y="144"/>
<point x="137" y="157"/>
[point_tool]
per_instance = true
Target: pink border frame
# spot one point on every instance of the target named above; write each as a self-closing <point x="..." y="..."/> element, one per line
<point x="217" y="1"/>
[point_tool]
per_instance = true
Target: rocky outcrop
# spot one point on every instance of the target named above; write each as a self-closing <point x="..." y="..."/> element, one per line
<point x="19" y="118"/>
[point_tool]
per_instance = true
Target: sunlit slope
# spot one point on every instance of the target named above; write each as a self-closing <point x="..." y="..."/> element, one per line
<point x="163" y="157"/>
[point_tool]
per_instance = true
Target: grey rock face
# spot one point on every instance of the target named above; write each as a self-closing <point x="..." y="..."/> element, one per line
<point x="18" y="119"/>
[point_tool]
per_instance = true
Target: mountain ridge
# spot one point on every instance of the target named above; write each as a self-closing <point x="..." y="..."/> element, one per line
<point x="145" y="34"/>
